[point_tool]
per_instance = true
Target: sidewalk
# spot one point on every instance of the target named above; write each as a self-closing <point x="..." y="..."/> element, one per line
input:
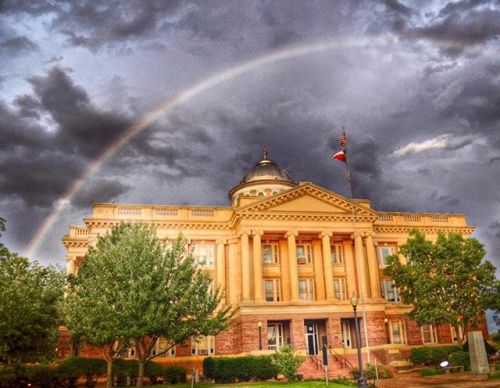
<point x="459" y="380"/>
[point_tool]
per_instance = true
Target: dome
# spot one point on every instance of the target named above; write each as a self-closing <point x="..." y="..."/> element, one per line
<point x="264" y="179"/>
<point x="266" y="169"/>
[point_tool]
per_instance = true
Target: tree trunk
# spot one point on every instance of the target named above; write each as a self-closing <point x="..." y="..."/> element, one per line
<point x="109" y="373"/>
<point x="140" y="375"/>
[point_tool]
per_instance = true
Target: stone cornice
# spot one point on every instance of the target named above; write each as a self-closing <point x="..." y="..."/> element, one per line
<point x="426" y="229"/>
<point x="207" y="225"/>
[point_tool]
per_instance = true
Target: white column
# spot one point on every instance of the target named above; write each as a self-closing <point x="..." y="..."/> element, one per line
<point x="292" y="264"/>
<point x="245" y="267"/>
<point x="220" y="268"/>
<point x="371" y="254"/>
<point x="327" y="265"/>
<point x="257" y="266"/>
<point x="360" y="263"/>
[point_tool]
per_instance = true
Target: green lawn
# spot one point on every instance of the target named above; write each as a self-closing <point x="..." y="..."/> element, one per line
<point x="305" y="384"/>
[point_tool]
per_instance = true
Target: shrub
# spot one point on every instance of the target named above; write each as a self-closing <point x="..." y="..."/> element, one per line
<point x="43" y="376"/>
<point x="460" y="358"/>
<point x="73" y="368"/>
<point x="8" y="377"/>
<point x="287" y="362"/>
<point x="175" y="374"/>
<point x="230" y="369"/>
<point x="490" y="350"/>
<point x="432" y="355"/>
<point x="154" y="372"/>
<point x="125" y="369"/>
<point x="370" y="372"/>
<point x="431" y="372"/>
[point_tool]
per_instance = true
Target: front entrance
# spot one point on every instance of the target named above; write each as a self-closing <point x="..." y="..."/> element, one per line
<point x="312" y="343"/>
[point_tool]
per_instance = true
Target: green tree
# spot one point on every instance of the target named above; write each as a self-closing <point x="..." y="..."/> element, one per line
<point x="29" y="299"/>
<point x="130" y="289"/>
<point x="287" y="362"/>
<point x="446" y="281"/>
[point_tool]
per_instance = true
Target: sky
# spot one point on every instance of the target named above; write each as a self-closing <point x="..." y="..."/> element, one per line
<point x="415" y="84"/>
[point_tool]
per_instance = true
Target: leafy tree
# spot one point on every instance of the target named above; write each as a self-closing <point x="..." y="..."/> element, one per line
<point x="446" y="281"/>
<point x="29" y="298"/>
<point x="287" y="362"/>
<point x="130" y="289"/>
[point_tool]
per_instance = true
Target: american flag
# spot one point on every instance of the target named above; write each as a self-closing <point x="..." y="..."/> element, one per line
<point x="342" y="139"/>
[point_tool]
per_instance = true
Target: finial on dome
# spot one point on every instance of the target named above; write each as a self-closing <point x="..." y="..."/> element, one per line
<point x="266" y="152"/>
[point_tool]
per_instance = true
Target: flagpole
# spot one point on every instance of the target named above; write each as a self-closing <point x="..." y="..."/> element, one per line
<point x="361" y="285"/>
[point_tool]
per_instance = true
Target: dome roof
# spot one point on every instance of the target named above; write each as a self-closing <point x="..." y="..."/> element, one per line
<point x="267" y="170"/>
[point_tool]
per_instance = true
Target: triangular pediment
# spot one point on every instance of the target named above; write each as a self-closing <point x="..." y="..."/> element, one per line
<point x="308" y="198"/>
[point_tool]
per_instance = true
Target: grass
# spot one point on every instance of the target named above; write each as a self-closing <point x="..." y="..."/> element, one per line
<point x="305" y="384"/>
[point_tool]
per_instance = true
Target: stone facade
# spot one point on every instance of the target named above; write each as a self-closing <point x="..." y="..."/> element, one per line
<point x="288" y="257"/>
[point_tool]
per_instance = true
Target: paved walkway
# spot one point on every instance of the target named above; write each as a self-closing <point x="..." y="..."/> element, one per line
<point x="459" y="380"/>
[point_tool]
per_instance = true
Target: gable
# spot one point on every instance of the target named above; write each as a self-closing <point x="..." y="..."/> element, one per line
<point x="307" y="203"/>
<point x="310" y="198"/>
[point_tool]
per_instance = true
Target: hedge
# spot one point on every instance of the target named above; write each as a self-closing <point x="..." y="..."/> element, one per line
<point x="44" y="376"/>
<point x="73" y="368"/>
<point x="432" y="355"/>
<point x="490" y="350"/>
<point x="431" y="372"/>
<point x="175" y="374"/>
<point x="460" y="358"/>
<point x="230" y="369"/>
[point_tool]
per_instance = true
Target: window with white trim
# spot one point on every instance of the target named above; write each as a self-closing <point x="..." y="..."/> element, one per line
<point x="429" y="334"/>
<point x="306" y="289"/>
<point x="203" y="345"/>
<point x="383" y="252"/>
<point x="304" y="253"/>
<point x="272" y="290"/>
<point x="270" y="253"/>
<point x="339" y="288"/>
<point x="161" y="345"/>
<point x="455" y="335"/>
<point x="389" y="292"/>
<point x="275" y="339"/>
<point x="398" y="332"/>
<point x="337" y="253"/>
<point x="204" y="254"/>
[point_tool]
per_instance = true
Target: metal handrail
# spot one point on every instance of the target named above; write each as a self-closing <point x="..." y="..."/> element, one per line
<point x="344" y="362"/>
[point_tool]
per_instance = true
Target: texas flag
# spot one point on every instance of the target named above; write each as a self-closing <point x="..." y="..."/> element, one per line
<point x="341" y="155"/>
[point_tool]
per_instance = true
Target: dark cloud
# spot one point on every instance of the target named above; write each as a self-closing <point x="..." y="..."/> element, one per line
<point x="16" y="45"/>
<point x="495" y="229"/>
<point x="399" y="7"/>
<point x="101" y="190"/>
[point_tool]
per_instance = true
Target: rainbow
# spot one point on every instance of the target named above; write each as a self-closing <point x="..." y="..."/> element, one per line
<point x="180" y="98"/>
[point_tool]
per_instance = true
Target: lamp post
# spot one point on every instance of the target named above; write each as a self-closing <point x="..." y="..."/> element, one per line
<point x="260" y="334"/>
<point x="361" y="379"/>
<point x="387" y="335"/>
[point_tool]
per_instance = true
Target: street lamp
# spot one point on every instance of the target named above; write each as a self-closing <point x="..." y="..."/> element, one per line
<point x="387" y="335"/>
<point x="260" y="334"/>
<point x="361" y="379"/>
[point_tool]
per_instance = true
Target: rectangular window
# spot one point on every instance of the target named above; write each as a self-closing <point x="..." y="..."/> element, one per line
<point x="389" y="292"/>
<point x="203" y="345"/>
<point x="274" y="336"/>
<point x="204" y="254"/>
<point x="455" y="335"/>
<point x="339" y="288"/>
<point x="270" y="253"/>
<point x="398" y="332"/>
<point x="429" y="334"/>
<point x="304" y="255"/>
<point x="383" y="252"/>
<point x="306" y="289"/>
<point x="337" y="253"/>
<point x="272" y="290"/>
<point x="161" y="345"/>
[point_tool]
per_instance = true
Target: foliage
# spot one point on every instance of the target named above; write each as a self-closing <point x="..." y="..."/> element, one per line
<point x="431" y="372"/>
<point x="446" y="281"/>
<point x="132" y="288"/>
<point x="29" y="299"/>
<point x="175" y="374"/>
<point x="287" y="362"/>
<point x="43" y="376"/>
<point x="125" y="368"/>
<point x="460" y="358"/>
<point x="370" y="372"/>
<point x="154" y="372"/>
<point x="432" y="355"/>
<point x="496" y="337"/>
<point x="75" y="367"/>
<point x="230" y="369"/>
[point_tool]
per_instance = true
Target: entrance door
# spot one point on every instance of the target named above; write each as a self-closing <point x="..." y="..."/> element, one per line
<point x="311" y="329"/>
<point x="346" y="333"/>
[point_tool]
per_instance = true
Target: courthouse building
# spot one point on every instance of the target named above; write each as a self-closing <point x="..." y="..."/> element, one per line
<point x="288" y="256"/>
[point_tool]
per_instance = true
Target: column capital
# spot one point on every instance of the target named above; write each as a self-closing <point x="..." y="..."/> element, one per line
<point x="221" y="241"/>
<point x="325" y="234"/>
<point x="243" y="233"/>
<point x="357" y="234"/>
<point x="293" y="233"/>
<point x="257" y="232"/>
<point x="370" y="234"/>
